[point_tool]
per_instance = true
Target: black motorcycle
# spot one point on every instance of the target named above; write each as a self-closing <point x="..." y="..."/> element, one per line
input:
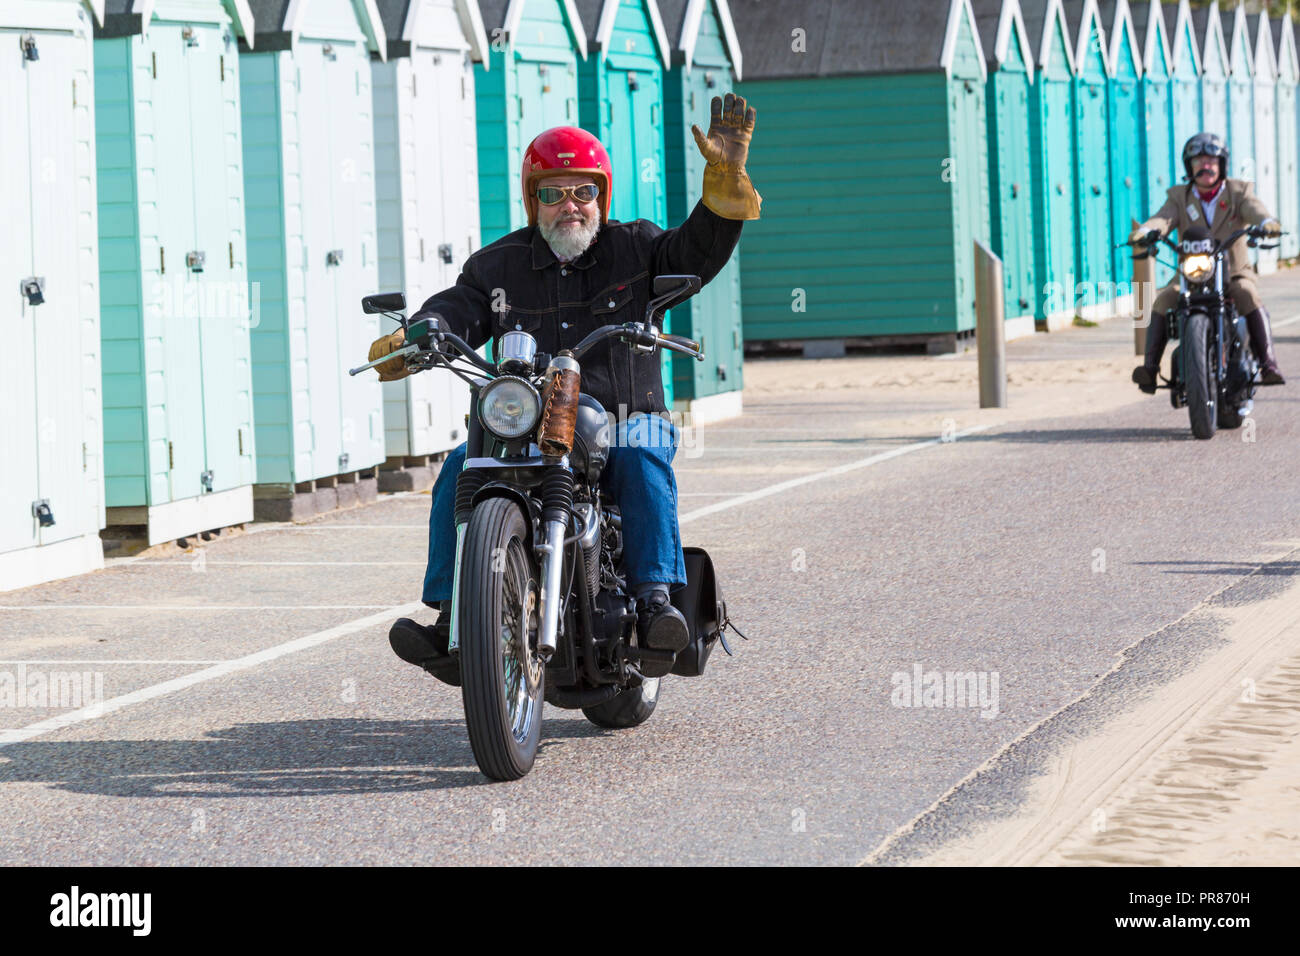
<point x="541" y="610"/>
<point x="1214" y="372"/>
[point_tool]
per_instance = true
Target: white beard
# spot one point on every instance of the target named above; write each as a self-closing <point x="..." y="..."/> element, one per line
<point x="568" y="242"/>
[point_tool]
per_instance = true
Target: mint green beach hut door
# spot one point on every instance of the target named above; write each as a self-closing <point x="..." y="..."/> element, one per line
<point x="171" y="292"/>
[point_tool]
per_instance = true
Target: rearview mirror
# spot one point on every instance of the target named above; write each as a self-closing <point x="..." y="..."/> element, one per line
<point x="383" y="302"/>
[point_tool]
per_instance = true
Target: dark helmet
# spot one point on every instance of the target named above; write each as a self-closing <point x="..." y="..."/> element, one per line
<point x="1205" y="144"/>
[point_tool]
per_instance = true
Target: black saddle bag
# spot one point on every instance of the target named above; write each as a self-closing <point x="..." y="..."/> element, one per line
<point x="701" y="604"/>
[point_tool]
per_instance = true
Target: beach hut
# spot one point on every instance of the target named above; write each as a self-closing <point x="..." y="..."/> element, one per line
<point x="868" y="226"/>
<point x="707" y="62"/>
<point x="1125" y="117"/>
<point x="1266" y="147"/>
<point x="621" y="101"/>
<point x="527" y="83"/>
<point x="1159" y="153"/>
<point x="1185" y="74"/>
<point x="1288" y="180"/>
<point x="426" y="204"/>
<point x="310" y="184"/>
<point x="1091" y="143"/>
<point x="1216" y="62"/>
<point x="1241" y="98"/>
<point x="178" y="436"/>
<point x="1052" y="155"/>
<point x="1011" y="210"/>
<point x="51" y="482"/>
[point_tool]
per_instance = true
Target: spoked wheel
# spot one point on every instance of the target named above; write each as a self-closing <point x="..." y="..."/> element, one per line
<point x="1202" y="386"/>
<point x="628" y="708"/>
<point x="502" y="676"/>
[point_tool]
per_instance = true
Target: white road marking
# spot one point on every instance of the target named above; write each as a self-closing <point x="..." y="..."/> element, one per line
<point x="187" y="561"/>
<point x="1291" y="321"/>
<point x="190" y="607"/>
<point x="215" y="660"/>
<point x="96" y="711"/>
<point x="818" y="475"/>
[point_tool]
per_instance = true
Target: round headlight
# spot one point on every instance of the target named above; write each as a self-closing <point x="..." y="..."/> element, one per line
<point x="509" y="407"/>
<point x="1197" y="268"/>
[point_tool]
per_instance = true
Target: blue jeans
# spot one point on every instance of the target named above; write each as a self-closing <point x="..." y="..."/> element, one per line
<point x="639" y="477"/>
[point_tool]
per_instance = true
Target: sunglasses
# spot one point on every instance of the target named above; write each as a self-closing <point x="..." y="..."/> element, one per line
<point x="582" y="194"/>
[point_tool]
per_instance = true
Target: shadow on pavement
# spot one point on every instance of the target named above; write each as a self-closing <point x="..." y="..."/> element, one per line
<point x="1085" y="435"/>
<point x="284" y="759"/>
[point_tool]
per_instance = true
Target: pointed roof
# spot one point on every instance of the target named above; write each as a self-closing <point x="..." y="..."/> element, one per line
<point x="1118" y="15"/>
<point x="598" y="18"/>
<point x="506" y="15"/>
<point x="1262" y="47"/>
<point x="1284" y="43"/>
<point x="401" y="20"/>
<point x="1210" y="35"/>
<point x="1178" y="24"/>
<point x="279" y="22"/>
<point x="1083" y="17"/>
<point x="120" y="18"/>
<point x="1042" y="17"/>
<point x="1153" y="35"/>
<point x="1238" y="32"/>
<point x="682" y="20"/>
<point x="997" y="21"/>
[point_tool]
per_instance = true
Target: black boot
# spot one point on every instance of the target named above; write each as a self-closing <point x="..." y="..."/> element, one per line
<point x="1146" y="374"/>
<point x="425" y="645"/>
<point x="1261" y="343"/>
<point x="661" y="632"/>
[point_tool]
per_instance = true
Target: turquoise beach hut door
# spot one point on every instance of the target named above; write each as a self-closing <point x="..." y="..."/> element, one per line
<point x="1092" y="180"/>
<point x="1125" y="107"/>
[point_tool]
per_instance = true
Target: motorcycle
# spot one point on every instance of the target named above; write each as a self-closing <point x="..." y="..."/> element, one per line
<point x="1214" y="373"/>
<point x="540" y="610"/>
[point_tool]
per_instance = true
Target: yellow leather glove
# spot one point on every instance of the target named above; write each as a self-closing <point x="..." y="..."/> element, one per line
<point x="727" y="189"/>
<point x="1271" y="228"/>
<point x="393" y="369"/>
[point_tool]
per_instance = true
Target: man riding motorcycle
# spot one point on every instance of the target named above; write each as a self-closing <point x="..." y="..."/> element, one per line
<point x="1211" y="200"/>
<point x="568" y="272"/>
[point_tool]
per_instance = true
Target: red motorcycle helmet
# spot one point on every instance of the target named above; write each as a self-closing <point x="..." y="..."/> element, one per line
<point x="563" y="150"/>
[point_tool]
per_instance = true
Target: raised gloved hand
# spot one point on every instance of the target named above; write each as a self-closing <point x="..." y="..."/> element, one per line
<point x="393" y="369"/>
<point x="727" y="189"/>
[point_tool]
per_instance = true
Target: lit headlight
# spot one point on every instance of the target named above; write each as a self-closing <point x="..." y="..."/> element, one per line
<point x="509" y="407"/>
<point x="1197" y="268"/>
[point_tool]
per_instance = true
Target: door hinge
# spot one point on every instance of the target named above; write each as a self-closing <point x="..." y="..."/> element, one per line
<point x="171" y="457"/>
<point x="422" y="248"/>
<point x="462" y="87"/>
<point x="74" y="94"/>
<point x="415" y="88"/>
<point x="153" y="57"/>
<point x="162" y="260"/>
<point x="222" y="61"/>
<point x="231" y="247"/>
<point x="85" y="456"/>
<point x="239" y="435"/>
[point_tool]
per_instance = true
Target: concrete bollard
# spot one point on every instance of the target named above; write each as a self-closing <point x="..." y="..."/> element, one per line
<point x="990" y="328"/>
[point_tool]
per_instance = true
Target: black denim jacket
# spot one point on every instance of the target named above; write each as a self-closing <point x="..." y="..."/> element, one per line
<point x="517" y="283"/>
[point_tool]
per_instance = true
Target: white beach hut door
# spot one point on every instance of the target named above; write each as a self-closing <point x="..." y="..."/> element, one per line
<point x="18" y="363"/>
<point x="58" y="353"/>
<point x="317" y="166"/>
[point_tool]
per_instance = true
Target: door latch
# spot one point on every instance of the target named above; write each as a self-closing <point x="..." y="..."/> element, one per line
<point x="188" y="35"/>
<point x="343" y="462"/>
<point x="444" y="251"/>
<point x="33" y="287"/>
<point x="205" y="479"/>
<point x="30" y="53"/>
<point x="195" y="260"/>
<point x="42" y="513"/>
<point x="328" y="50"/>
<point x="334" y="257"/>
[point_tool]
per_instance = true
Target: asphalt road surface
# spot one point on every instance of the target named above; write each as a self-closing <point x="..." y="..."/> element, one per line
<point x="254" y="713"/>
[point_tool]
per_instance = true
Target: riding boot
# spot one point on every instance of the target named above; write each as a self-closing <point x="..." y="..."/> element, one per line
<point x="1261" y="343"/>
<point x="1146" y="374"/>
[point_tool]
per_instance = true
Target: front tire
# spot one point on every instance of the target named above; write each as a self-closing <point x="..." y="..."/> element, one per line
<point x="502" y="677"/>
<point x="628" y="708"/>
<point x="1202" y="388"/>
